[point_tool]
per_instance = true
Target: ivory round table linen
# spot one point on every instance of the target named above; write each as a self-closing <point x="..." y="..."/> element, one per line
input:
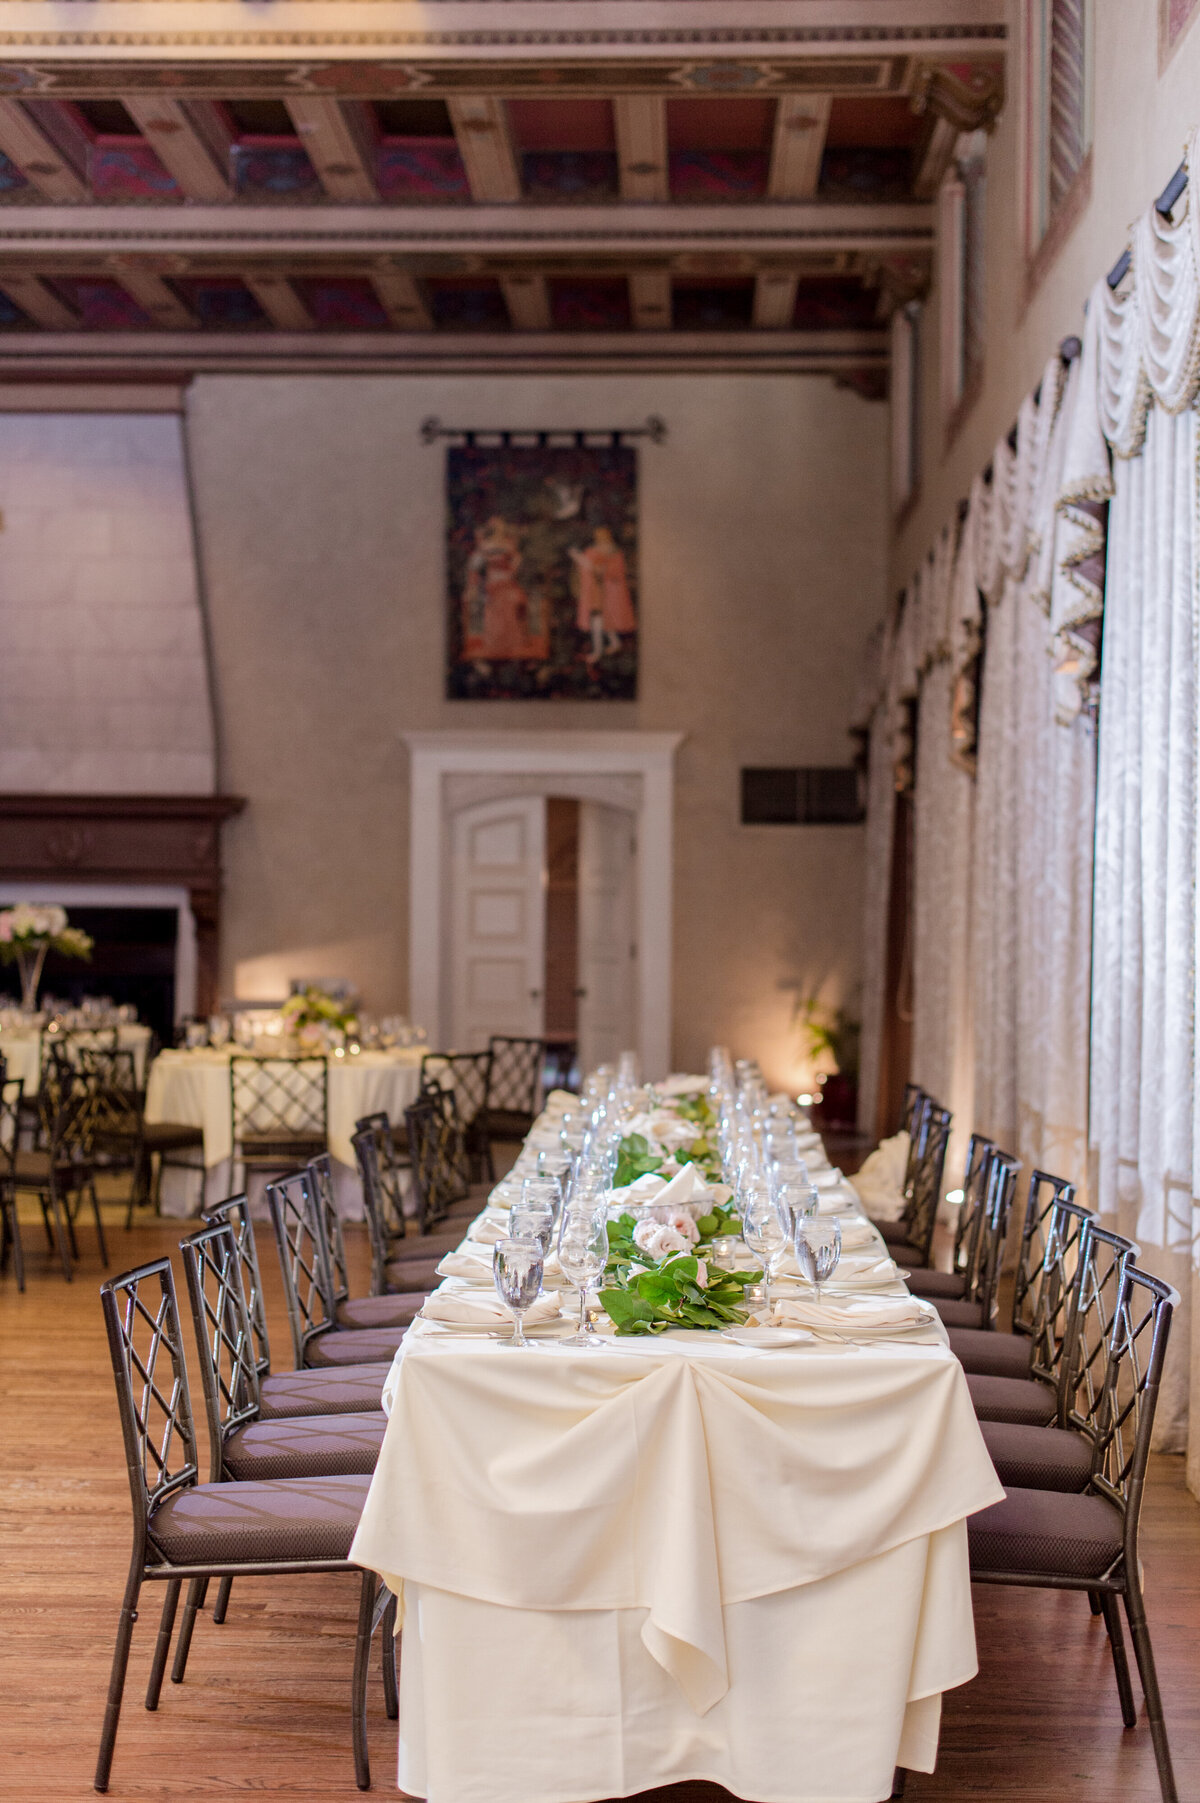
<point x="194" y="1087"/>
<point x="674" y="1558"/>
<point x="22" y="1050"/>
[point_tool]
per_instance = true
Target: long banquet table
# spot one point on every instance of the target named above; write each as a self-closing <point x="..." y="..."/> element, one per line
<point x="193" y="1087"/>
<point x="671" y="1559"/>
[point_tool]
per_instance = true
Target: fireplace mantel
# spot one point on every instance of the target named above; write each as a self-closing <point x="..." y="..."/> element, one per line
<point x="126" y="839"/>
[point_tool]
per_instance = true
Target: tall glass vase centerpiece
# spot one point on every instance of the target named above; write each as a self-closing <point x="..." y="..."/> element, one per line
<point x="27" y="933"/>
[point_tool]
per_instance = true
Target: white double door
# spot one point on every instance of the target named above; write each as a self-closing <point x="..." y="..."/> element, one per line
<point x="497" y="941"/>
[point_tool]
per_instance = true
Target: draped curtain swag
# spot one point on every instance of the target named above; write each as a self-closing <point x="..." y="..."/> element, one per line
<point x="1054" y="1012"/>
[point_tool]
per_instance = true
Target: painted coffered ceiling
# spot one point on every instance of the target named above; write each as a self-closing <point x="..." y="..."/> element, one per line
<point x="501" y="184"/>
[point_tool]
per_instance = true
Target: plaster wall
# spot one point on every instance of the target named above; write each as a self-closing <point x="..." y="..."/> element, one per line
<point x="103" y="683"/>
<point x="1142" y="114"/>
<point x="762" y="557"/>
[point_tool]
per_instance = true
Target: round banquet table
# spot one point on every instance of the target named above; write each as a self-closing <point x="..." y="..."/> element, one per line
<point x="194" y="1088"/>
<point x="21" y="1049"/>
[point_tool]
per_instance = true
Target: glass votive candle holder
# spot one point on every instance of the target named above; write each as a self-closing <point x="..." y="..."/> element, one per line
<point x="723" y="1251"/>
<point x="754" y="1299"/>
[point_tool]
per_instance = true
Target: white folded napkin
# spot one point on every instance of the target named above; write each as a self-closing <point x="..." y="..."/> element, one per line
<point x="476" y="1268"/>
<point x="825" y="1176"/>
<point x="845" y="1314"/>
<point x="880" y="1181"/>
<point x="858" y="1271"/>
<point x="485" y="1231"/>
<point x="470" y="1308"/>
<point x="559" y="1100"/>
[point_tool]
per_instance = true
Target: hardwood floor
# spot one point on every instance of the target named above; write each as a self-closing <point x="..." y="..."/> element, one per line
<point x="265" y="1707"/>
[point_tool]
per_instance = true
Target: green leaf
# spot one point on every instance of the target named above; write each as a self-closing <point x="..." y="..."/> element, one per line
<point x="634" y="1160"/>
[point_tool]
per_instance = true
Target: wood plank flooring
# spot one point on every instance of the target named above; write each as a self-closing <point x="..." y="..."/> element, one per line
<point x="264" y="1710"/>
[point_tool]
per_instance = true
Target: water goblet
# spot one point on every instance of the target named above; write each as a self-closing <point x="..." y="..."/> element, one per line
<point x="542" y="1188"/>
<point x="517" y="1274"/>
<point x="583" y="1255"/>
<point x="818" y="1249"/>
<point x="533" y="1221"/>
<point x="797" y="1200"/>
<point x="763" y="1230"/>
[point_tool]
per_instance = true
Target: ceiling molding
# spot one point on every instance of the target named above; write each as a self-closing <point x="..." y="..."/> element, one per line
<point x="145" y="355"/>
<point x="528" y="229"/>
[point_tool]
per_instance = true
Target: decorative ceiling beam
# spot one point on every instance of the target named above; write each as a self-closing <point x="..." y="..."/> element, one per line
<point x="801" y="125"/>
<point x="775" y="300"/>
<point x="336" y="147"/>
<point x="528" y="301"/>
<point x="658" y="229"/>
<point x="153" y="296"/>
<point x="38" y="301"/>
<point x="36" y="155"/>
<point x="485" y="145"/>
<point x="197" y="159"/>
<point x="402" y="300"/>
<point x="641" y="125"/>
<point x="650" y="299"/>
<point x="280" y="302"/>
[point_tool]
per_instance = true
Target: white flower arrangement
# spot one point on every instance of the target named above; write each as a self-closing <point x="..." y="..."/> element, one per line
<point x="30" y="930"/>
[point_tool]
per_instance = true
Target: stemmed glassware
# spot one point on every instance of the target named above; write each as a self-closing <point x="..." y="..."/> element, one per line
<point x="818" y="1249"/>
<point x="762" y="1228"/>
<point x="583" y="1255"/>
<point x="517" y="1273"/>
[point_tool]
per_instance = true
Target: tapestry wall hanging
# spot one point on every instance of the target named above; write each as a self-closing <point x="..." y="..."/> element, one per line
<point x="542" y="572"/>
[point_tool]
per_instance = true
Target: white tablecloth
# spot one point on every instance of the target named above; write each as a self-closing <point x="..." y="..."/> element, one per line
<point x="23" y="1052"/>
<point x="671" y="1559"/>
<point x="194" y="1088"/>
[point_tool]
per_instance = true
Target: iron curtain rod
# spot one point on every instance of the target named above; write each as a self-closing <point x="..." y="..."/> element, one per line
<point x="655" y="429"/>
<point x="1164" y="206"/>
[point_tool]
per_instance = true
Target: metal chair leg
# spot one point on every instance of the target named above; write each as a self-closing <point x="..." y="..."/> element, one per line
<point x="387" y="1631"/>
<point x="162" y="1645"/>
<point x="1116" y="1640"/>
<point x="1094" y="1602"/>
<point x="1139" y="1632"/>
<point x="197" y="1591"/>
<point x="899" y="1780"/>
<point x="222" y="1603"/>
<point x="358" y="1687"/>
<point x="63" y="1240"/>
<point x="116" y="1681"/>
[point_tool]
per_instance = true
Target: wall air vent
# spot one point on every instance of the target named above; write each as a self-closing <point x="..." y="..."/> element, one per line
<point x="821" y="795"/>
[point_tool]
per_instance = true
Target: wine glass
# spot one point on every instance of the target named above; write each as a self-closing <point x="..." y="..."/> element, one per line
<point x="818" y="1249"/>
<point x="797" y="1198"/>
<point x="762" y="1228"/>
<point x="517" y="1274"/>
<point x="532" y="1221"/>
<point x="583" y="1255"/>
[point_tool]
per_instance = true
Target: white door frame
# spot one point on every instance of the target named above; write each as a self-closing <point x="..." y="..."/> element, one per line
<point x="546" y="755"/>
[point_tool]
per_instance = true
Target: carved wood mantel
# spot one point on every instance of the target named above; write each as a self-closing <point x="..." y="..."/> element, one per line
<point x="172" y="839"/>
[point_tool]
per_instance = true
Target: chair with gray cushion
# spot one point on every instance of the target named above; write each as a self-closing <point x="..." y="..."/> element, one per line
<point x="279" y="1109"/>
<point x="467" y="1078"/>
<point x="187" y="1530"/>
<point x="122" y="1136"/>
<point x="952" y="1284"/>
<point x="308" y="1283"/>
<point x="393" y="1274"/>
<point x="58" y="1168"/>
<point x="1048" y="1539"/>
<point x="975" y="1309"/>
<point x="335" y="1390"/>
<point x="381" y="1308"/>
<point x="440" y="1168"/>
<point x="910" y="1239"/>
<point x="1007" y="1354"/>
<point x="1084" y="1264"/>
